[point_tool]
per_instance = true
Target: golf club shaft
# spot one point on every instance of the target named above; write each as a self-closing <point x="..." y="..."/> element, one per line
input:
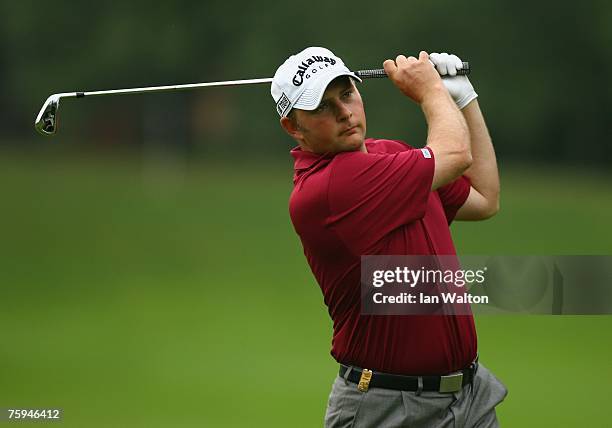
<point x="364" y="74"/>
<point x="169" y="88"/>
<point x="46" y="121"/>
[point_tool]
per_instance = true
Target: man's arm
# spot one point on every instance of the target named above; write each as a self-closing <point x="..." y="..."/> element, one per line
<point x="448" y="139"/>
<point x="447" y="135"/>
<point x="483" y="200"/>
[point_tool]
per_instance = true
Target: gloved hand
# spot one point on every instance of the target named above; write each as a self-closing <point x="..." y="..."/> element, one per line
<point x="459" y="87"/>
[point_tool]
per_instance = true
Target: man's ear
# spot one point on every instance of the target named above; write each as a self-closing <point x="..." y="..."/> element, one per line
<point x="291" y="127"/>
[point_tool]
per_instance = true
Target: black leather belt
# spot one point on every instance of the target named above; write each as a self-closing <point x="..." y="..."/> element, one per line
<point x="452" y="382"/>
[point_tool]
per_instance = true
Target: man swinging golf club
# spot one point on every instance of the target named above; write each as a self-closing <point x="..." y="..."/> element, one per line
<point x="357" y="196"/>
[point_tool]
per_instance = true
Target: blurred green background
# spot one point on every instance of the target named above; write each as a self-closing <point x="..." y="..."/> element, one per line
<point x="149" y="273"/>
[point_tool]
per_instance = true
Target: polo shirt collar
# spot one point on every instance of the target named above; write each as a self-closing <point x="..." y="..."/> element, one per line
<point x="306" y="160"/>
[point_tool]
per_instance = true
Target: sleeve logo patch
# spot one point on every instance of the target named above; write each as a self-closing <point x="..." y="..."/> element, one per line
<point x="426" y="153"/>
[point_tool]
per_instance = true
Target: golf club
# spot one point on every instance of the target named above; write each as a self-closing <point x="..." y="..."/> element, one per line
<point x="47" y="120"/>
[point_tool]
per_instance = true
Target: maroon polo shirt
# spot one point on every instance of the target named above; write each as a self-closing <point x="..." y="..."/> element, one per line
<point x="354" y="203"/>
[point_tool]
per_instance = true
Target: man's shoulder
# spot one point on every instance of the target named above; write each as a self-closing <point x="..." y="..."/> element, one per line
<point x="383" y="145"/>
<point x="376" y="149"/>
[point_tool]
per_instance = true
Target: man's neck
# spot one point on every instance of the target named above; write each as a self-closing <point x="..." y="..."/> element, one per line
<point x="304" y="148"/>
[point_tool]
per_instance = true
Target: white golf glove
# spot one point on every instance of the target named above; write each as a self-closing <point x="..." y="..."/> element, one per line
<point x="459" y="87"/>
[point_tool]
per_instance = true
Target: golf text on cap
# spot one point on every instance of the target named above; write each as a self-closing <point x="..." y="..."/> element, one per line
<point x="298" y="79"/>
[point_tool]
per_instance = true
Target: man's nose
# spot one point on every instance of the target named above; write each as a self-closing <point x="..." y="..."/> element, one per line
<point x="343" y="111"/>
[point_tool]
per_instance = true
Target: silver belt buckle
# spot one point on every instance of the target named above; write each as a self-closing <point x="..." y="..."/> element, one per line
<point x="451" y="383"/>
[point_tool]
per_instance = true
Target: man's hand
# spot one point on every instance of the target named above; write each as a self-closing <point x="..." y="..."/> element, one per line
<point x="416" y="78"/>
<point x="459" y="87"/>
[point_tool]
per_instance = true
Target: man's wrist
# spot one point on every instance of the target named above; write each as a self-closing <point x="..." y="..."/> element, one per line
<point x="435" y="99"/>
<point x="435" y="92"/>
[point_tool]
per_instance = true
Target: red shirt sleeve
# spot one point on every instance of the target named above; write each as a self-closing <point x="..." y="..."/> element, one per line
<point x="372" y="194"/>
<point x="453" y="195"/>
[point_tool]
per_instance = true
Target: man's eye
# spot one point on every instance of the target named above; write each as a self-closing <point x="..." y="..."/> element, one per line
<point x="347" y="94"/>
<point x="321" y="108"/>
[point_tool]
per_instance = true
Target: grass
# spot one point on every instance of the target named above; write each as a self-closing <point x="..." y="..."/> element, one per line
<point x="146" y="294"/>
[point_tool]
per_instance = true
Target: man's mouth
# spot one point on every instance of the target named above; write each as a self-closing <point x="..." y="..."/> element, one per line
<point x="350" y="130"/>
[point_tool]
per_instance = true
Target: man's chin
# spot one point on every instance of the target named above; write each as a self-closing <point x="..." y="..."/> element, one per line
<point x="353" y="143"/>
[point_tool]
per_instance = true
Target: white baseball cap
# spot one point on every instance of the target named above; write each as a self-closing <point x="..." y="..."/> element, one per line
<point x="302" y="79"/>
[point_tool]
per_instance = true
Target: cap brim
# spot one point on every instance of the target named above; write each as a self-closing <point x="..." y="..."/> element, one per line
<point x="311" y="97"/>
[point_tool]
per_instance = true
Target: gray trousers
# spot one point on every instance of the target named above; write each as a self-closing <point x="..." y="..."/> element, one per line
<point x="473" y="406"/>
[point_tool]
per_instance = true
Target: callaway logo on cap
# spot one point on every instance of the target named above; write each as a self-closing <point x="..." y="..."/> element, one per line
<point x="302" y="79"/>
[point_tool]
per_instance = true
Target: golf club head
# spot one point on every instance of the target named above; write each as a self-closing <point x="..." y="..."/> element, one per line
<point x="46" y="121"/>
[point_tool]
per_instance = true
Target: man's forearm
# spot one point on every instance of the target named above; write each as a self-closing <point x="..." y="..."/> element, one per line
<point x="447" y="136"/>
<point x="483" y="171"/>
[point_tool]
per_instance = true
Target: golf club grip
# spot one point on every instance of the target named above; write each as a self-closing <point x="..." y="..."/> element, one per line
<point x="380" y="72"/>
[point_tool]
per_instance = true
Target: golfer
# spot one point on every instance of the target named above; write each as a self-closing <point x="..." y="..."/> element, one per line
<point x="357" y="196"/>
